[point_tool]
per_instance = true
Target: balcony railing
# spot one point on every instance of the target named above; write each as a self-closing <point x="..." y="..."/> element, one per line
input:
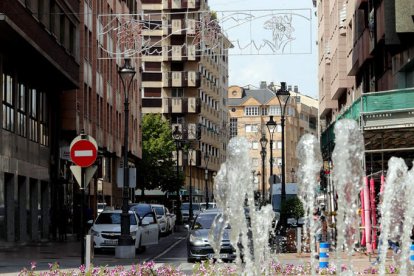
<point x="181" y="79"/>
<point x="181" y="105"/>
<point x="183" y="4"/>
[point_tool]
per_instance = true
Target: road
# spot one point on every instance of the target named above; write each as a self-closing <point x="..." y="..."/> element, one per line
<point x="170" y="250"/>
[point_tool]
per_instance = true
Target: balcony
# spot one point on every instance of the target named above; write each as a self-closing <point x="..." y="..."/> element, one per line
<point x="181" y="79"/>
<point x="182" y="4"/>
<point x="181" y="105"/>
<point x="182" y="27"/>
<point x="180" y="53"/>
<point x="360" y="53"/>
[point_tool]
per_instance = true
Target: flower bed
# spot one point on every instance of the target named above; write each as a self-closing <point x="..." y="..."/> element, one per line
<point x="199" y="269"/>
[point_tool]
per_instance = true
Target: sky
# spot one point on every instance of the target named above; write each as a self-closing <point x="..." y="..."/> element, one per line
<point x="295" y="61"/>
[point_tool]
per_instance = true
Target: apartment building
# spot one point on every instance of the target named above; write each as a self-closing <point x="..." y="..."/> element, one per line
<point x="39" y="60"/>
<point x="366" y="73"/>
<point x="249" y="111"/>
<point x="185" y="79"/>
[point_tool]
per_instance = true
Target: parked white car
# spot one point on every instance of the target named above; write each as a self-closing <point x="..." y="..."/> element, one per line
<point x="163" y="219"/>
<point x="106" y="230"/>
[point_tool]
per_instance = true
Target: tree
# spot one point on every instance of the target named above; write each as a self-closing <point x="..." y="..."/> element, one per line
<point x="293" y="208"/>
<point x="158" y="168"/>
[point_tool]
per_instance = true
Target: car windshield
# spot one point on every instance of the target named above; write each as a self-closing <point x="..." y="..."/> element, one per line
<point x="114" y="218"/>
<point x="141" y="209"/>
<point x="159" y="210"/>
<point x="205" y="220"/>
<point x="186" y="206"/>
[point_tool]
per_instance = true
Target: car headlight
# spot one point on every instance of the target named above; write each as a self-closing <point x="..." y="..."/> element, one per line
<point x="197" y="241"/>
<point x="95" y="233"/>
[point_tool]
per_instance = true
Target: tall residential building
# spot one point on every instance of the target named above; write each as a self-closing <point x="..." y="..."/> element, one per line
<point x="366" y="73"/>
<point x="39" y="61"/>
<point x="185" y="78"/>
<point x="250" y="109"/>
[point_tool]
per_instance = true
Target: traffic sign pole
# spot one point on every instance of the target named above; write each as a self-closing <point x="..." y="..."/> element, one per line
<point x="82" y="226"/>
<point x="83" y="152"/>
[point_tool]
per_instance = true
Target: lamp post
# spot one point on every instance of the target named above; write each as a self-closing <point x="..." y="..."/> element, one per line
<point x="177" y="138"/>
<point x="283" y="96"/>
<point x="263" y="143"/>
<point x="271" y="127"/>
<point x="206" y="158"/>
<point x="126" y="74"/>
<point x="190" y="212"/>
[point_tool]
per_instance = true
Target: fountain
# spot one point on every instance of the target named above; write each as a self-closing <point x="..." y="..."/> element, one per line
<point x="234" y="194"/>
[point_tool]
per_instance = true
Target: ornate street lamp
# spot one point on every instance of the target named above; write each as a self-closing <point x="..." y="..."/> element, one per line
<point x="177" y="135"/>
<point x="206" y="158"/>
<point x="283" y="96"/>
<point x="263" y="143"/>
<point x="271" y="127"/>
<point x="126" y="73"/>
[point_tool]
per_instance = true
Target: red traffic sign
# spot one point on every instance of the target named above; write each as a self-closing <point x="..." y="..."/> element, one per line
<point x="83" y="152"/>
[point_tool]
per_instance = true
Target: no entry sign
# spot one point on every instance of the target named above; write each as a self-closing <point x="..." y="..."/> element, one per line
<point x="83" y="152"/>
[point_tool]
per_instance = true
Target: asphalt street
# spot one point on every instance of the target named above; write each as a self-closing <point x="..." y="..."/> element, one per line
<point x="171" y="250"/>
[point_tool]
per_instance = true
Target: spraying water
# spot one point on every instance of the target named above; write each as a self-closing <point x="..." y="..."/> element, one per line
<point x="392" y="206"/>
<point x="310" y="162"/>
<point x="234" y="196"/>
<point x="408" y="222"/>
<point x="348" y="175"/>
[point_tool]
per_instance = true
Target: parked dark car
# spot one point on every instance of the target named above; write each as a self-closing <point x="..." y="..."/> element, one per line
<point x="198" y="246"/>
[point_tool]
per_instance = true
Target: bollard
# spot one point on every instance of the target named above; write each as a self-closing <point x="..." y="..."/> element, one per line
<point x="412" y="254"/>
<point x="323" y="255"/>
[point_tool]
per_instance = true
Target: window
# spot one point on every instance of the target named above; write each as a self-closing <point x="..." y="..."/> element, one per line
<point x="251" y="111"/>
<point x="33" y="115"/>
<point x="8" y="108"/>
<point x="255" y="145"/>
<point x="274" y="110"/>
<point x="255" y="162"/>
<point x="43" y="119"/>
<point x="21" y="111"/>
<point x="233" y="127"/>
<point x="279" y="144"/>
<point x="177" y="92"/>
<point x="264" y="111"/>
<point x="251" y="128"/>
<point x="279" y="128"/>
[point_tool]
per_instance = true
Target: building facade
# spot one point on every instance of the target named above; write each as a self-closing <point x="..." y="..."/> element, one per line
<point x="185" y="79"/>
<point x="366" y="74"/>
<point x="249" y="111"/>
<point x="39" y="60"/>
<point x="59" y="78"/>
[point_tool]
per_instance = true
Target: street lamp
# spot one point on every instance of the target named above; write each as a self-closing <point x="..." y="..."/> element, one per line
<point x="206" y="158"/>
<point x="126" y="73"/>
<point x="271" y="126"/>
<point x="190" y="212"/>
<point x="177" y="138"/>
<point x="263" y="143"/>
<point x="283" y="96"/>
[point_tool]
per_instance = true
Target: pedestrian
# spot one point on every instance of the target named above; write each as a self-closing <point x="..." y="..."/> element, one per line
<point x="393" y="243"/>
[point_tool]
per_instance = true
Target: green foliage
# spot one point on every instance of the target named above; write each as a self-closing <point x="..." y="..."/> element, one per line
<point x="157" y="166"/>
<point x="293" y="208"/>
